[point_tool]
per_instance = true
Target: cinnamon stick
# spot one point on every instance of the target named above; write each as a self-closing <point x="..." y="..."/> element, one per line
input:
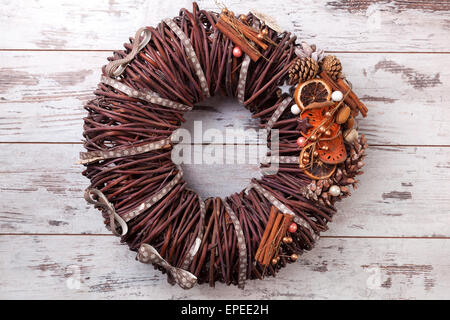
<point x="325" y="77"/>
<point x="229" y="32"/>
<point x="273" y="212"/>
<point x="246" y="30"/>
<point x="355" y="105"/>
<point x="342" y="84"/>
<point x="273" y="233"/>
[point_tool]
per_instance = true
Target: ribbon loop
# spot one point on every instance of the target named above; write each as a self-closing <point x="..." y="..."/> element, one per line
<point x="148" y="254"/>
<point x="117" y="67"/>
<point x="105" y="204"/>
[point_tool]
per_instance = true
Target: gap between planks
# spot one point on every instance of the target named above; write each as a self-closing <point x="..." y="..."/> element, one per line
<point x="326" y="51"/>
<point x="322" y="237"/>
<point x="235" y="144"/>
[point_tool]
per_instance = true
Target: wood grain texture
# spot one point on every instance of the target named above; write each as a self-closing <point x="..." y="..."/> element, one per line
<point x="42" y="96"/>
<point x="43" y="192"/>
<point x="369" y="25"/>
<point x="98" y="267"/>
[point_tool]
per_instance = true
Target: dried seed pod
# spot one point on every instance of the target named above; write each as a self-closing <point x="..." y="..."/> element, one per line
<point x="311" y="51"/>
<point x="350" y="181"/>
<point x="345" y="190"/>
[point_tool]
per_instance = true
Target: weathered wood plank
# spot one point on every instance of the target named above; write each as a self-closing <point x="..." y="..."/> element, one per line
<point x="45" y="92"/>
<point x="402" y="192"/>
<point x="42" y="96"/>
<point x="96" y="267"/>
<point x="369" y="25"/>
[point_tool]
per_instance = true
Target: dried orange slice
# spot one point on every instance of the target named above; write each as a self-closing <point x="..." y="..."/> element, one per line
<point x="320" y="170"/>
<point x="317" y="169"/>
<point x="314" y="90"/>
<point x="335" y="152"/>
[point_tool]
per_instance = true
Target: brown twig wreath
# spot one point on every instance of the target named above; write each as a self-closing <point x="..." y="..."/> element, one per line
<point x="129" y="133"/>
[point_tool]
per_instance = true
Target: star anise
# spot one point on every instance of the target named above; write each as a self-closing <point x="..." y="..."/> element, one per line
<point x="303" y="125"/>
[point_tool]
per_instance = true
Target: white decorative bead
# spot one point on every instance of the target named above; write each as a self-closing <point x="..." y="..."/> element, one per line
<point x="337" y="96"/>
<point x="334" y="190"/>
<point x="295" y="110"/>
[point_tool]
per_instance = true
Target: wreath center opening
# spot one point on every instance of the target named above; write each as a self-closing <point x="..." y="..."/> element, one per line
<point x="220" y="147"/>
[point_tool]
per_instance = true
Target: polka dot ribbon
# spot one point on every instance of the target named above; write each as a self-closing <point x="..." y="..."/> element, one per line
<point x="198" y="240"/>
<point x="243" y="74"/>
<point x="241" y="246"/>
<point x="131" y="150"/>
<point x="147" y="95"/>
<point x="190" y="54"/>
<point x="281" y="159"/>
<point x="281" y="207"/>
<point x="283" y="105"/>
<point x="243" y="79"/>
<point x="155" y="198"/>
<point x="148" y="254"/>
<point x="103" y="202"/>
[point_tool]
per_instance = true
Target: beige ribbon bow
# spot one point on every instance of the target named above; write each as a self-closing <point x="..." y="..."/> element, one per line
<point x="105" y="204"/>
<point x="185" y="279"/>
<point x="116" y="67"/>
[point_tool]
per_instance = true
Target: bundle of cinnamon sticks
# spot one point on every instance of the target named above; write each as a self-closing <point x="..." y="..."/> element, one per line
<point x="242" y="35"/>
<point x="276" y="229"/>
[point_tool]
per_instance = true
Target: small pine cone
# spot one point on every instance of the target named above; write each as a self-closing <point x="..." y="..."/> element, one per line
<point x="303" y="69"/>
<point x="332" y="66"/>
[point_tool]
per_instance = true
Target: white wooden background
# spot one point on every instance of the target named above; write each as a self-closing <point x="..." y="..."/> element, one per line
<point x="390" y="240"/>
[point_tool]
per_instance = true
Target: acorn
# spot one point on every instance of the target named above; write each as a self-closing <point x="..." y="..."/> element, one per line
<point x="350" y="135"/>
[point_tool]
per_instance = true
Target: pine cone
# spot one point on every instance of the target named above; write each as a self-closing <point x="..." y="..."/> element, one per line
<point x="332" y="66"/>
<point x="343" y="177"/>
<point x="303" y="69"/>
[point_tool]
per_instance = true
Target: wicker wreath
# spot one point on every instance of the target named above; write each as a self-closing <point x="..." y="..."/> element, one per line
<point x="293" y="88"/>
